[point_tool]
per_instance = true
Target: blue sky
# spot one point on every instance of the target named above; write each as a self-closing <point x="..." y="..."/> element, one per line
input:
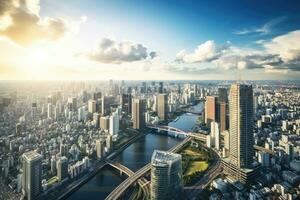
<point x="222" y="31"/>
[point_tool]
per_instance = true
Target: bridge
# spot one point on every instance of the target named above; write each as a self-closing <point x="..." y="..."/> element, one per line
<point x="143" y="182"/>
<point x="118" y="191"/>
<point x="199" y="136"/>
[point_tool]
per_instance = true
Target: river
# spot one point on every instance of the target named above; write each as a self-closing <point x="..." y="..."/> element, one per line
<point x="134" y="157"/>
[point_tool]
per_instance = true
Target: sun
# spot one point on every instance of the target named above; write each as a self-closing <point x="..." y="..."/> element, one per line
<point x="37" y="59"/>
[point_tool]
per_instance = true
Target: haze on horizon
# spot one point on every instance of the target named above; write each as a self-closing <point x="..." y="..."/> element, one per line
<point x="149" y="40"/>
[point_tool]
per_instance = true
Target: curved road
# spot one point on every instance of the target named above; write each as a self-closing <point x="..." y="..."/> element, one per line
<point x="118" y="191"/>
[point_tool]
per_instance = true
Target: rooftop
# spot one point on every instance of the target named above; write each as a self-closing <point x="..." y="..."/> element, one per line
<point x="32" y="155"/>
<point x="164" y="157"/>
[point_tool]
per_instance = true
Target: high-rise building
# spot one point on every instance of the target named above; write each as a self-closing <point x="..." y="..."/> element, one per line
<point x="223" y="116"/>
<point x="211" y="110"/>
<point x="72" y="104"/>
<point x="53" y="165"/>
<point x="104" y="123"/>
<point x="106" y="103"/>
<point x="241" y="126"/>
<point x="109" y="143"/>
<point x="50" y="111"/>
<point x="162" y="101"/>
<point x="138" y="113"/>
<point x="96" y="120"/>
<point x="100" y="148"/>
<point x="62" y="168"/>
<point x="240" y="165"/>
<point x="166" y="176"/>
<point x="81" y="114"/>
<point x="126" y="102"/>
<point x="160" y="87"/>
<point x="215" y="134"/>
<point x="114" y="124"/>
<point x="91" y="106"/>
<point x="222" y="95"/>
<point x="32" y="174"/>
<point x="63" y="149"/>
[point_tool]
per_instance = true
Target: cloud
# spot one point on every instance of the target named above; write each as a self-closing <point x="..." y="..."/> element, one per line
<point x="205" y="52"/>
<point x="110" y="51"/>
<point x="265" y="29"/>
<point x="279" y="54"/>
<point x="26" y="26"/>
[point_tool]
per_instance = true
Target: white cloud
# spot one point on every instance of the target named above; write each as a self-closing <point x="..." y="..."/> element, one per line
<point x="205" y="52"/>
<point x="280" y="54"/>
<point x="20" y="22"/>
<point x="264" y="29"/>
<point x="286" y="46"/>
<point x="110" y="51"/>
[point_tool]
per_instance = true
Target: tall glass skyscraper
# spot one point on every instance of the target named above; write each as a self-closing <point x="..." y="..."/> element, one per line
<point x="166" y="176"/>
<point x="32" y="174"/>
<point x="241" y="125"/>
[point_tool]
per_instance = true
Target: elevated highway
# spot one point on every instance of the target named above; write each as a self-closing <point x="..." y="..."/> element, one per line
<point x="118" y="191"/>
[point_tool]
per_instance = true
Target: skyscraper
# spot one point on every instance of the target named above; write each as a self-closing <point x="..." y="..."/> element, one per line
<point x="210" y="110"/>
<point x="223" y="108"/>
<point x="106" y="103"/>
<point x="240" y="165"/>
<point x="91" y="106"/>
<point x="166" y="175"/>
<point x="100" y="151"/>
<point x="160" y="87"/>
<point x="138" y="113"/>
<point x="162" y="101"/>
<point x="72" y="104"/>
<point x="114" y="124"/>
<point x="62" y="168"/>
<point x="32" y="174"/>
<point x="241" y="125"/>
<point x="222" y="95"/>
<point x="126" y="102"/>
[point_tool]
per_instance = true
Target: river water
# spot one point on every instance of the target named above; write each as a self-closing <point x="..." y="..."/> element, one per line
<point x="134" y="157"/>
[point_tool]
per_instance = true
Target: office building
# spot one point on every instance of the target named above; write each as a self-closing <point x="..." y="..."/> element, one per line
<point x="215" y="134"/>
<point x="160" y="87"/>
<point x="240" y="165"/>
<point x="72" y="104"/>
<point x="114" y="124"/>
<point x="62" y="168"/>
<point x="100" y="148"/>
<point x="96" y="120"/>
<point x="241" y="125"/>
<point x="126" y="102"/>
<point x="50" y="111"/>
<point x="166" y="176"/>
<point x="109" y="143"/>
<point x="91" y="106"/>
<point x="32" y="175"/>
<point x="107" y="101"/>
<point x="210" y="110"/>
<point x="104" y="123"/>
<point x="222" y="95"/>
<point x="138" y="113"/>
<point x="162" y="109"/>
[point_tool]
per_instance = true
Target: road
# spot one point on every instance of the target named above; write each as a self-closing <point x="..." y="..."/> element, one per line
<point x="118" y="191"/>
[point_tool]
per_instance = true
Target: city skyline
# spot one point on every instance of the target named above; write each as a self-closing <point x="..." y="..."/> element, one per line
<point x="137" y="40"/>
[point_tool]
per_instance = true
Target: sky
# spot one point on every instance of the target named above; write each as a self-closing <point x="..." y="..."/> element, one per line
<point x="149" y="40"/>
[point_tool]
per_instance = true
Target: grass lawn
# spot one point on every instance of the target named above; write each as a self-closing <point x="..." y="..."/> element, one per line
<point x="197" y="166"/>
<point x="190" y="152"/>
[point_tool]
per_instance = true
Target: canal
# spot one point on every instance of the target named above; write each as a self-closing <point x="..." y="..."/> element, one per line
<point x="134" y="157"/>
